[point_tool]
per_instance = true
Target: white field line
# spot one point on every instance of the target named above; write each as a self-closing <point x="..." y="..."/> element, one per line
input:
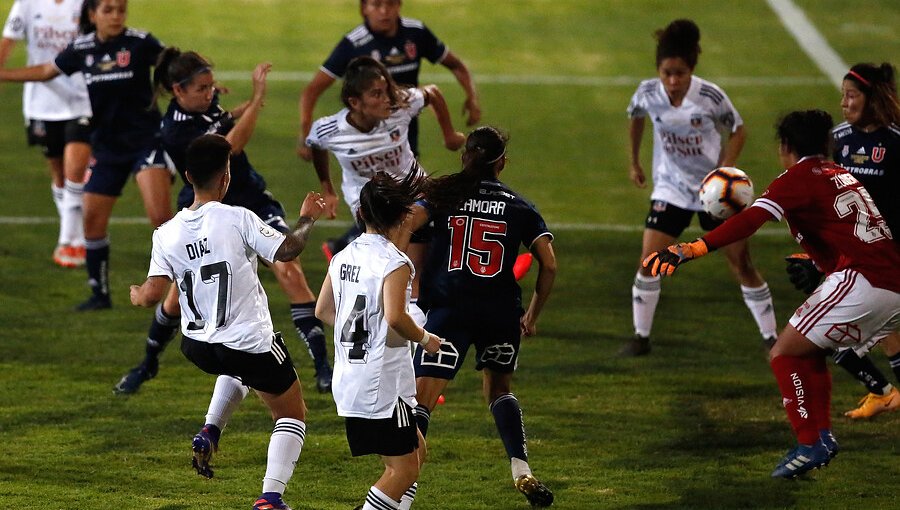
<point x="558" y="227"/>
<point x="573" y="81"/>
<point x="810" y="40"/>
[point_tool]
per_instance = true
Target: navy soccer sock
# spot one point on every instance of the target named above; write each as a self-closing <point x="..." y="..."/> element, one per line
<point x="310" y="330"/>
<point x="863" y="370"/>
<point x="510" y="425"/>
<point x="97" y="263"/>
<point x="162" y="331"/>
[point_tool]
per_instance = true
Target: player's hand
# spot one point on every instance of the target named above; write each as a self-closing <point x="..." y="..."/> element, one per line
<point x="803" y="273"/>
<point x="135" y="295"/>
<point x="259" y="80"/>
<point x="664" y="262"/>
<point x="471" y="108"/>
<point x="528" y="324"/>
<point x="636" y="174"/>
<point x="331" y="205"/>
<point x="313" y="205"/>
<point x="433" y="345"/>
<point x="455" y="141"/>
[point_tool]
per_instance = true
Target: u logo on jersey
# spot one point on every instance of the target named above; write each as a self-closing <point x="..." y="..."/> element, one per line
<point x="123" y="58"/>
<point x="878" y="154"/>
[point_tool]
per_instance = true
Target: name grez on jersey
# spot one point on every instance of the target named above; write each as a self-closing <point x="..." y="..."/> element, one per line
<point x="380" y="160"/>
<point x="197" y="249"/>
<point x="691" y="145"/>
<point x="350" y="273"/>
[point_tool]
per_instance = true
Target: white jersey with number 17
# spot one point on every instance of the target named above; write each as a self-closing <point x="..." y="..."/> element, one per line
<point x="687" y="139"/>
<point x="211" y="254"/>
<point x="372" y="365"/>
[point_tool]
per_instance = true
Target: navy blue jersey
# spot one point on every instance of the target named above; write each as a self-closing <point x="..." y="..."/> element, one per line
<point x="471" y="256"/>
<point x="117" y="73"/>
<point x="180" y="128"/>
<point x="401" y="54"/>
<point x="874" y="159"/>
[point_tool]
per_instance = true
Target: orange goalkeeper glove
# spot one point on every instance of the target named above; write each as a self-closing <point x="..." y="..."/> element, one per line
<point x="664" y="262"/>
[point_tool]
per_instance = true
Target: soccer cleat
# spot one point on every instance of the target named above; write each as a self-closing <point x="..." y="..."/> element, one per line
<point x="323" y="379"/>
<point x="769" y="342"/>
<point x="830" y="443"/>
<point x="95" y="302"/>
<point x="69" y="256"/>
<point x="637" y="346"/>
<point x="522" y="265"/>
<point x="535" y="492"/>
<point x="872" y="405"/>
<point x="203" y="448"/>
<point x="132" y="381"/>
<point x="270" y="503"/>
<point x="802" y="459"/>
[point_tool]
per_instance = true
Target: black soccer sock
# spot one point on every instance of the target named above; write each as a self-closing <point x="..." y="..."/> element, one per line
<point x="863" y="370"/>
<point x="895" y="365"/>
<point x="97" y="264"/>
<point x="510" y="425"/>
<point x="423" y="418"/>
<point x="310" y="330"/>
<point x="162" y="331"/>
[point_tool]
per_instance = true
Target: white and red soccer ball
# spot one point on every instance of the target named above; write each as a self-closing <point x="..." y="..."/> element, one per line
<point x="725" y="191"/>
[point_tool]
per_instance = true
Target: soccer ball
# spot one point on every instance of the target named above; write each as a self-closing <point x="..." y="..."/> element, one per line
<point x="725" y="191"/>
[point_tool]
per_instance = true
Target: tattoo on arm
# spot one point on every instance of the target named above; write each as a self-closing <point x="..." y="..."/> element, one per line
<point x="295" y="241"/>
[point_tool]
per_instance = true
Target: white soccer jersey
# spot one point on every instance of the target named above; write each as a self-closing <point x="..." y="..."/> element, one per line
<point x="211" y="254"/>
<point x="361" y="155"/>
<point x="48" y="27"/>
<point x="687" y="140"/>
<point x="372" y="365"/>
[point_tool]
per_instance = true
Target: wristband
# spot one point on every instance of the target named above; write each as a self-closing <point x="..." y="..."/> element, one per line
<point x="424" y="340"/>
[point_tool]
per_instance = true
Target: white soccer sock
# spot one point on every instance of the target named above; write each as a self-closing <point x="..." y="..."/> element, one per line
<point x="644" y="298"/>
<point x="284" y="450"/>
<point x="759" y="302"/>
<point x="416" y="313"/>
<point x="519" y="468"/>
<point x="409" y="496"/>
<point x="377" y="500"/>
<point x="227" y="396"/>
<point x="71" y="218"/>
<point x="58" y="194"/>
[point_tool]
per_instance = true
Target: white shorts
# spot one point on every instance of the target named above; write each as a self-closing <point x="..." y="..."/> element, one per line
<point x="847" y="312"/>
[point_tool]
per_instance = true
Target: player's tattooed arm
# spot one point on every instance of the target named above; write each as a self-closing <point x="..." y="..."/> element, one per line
<point x="295" y="241"/>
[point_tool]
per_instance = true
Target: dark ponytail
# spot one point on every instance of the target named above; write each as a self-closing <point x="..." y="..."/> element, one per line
<point x="384" y="202"/>
<point x="879" y="84"/>
<point x="680" y="39"/>
<point x="84" y="19"/>
<point x="485" y="146"/>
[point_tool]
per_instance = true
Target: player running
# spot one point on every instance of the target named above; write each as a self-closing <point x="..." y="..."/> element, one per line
<point x="210" y="251"/>
<point x="835" y="220"/>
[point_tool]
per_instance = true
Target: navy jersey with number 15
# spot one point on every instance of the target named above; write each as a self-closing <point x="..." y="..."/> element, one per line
<point x="471" y="257"/>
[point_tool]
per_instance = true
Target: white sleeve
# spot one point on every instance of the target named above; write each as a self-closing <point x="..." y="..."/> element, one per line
<point x="637" y="107"/>
<point x="261" y="238"/>
<point x="159" y="266"/>
<point x="727" y="115"/>
<point x="15" y="28"/>
<point x="416" y="102"/>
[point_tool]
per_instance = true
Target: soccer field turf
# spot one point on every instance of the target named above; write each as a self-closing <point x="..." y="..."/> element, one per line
<point x="697" y="424"/>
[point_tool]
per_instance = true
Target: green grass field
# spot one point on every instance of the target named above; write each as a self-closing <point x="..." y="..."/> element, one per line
<point x="698" y="424"/>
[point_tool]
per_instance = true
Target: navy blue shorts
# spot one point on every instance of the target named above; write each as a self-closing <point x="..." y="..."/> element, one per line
<point x="672" y="220"/>
<point x="53" y="135"/>
<point x="270" y="372"/>
<point x="110" y="172"/>
<point x="495" y="335"/>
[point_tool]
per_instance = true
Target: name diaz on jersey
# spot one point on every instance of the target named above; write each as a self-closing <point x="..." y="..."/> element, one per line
<point x="197" y="249"/>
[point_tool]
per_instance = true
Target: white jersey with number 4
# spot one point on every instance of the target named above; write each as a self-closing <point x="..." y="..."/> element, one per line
<point x="211" y="254"/>
<point x="49" y="27"/>
<point x="372" y="365"/>
<point x="687" y="139"/>
<point x="383" y="149"/>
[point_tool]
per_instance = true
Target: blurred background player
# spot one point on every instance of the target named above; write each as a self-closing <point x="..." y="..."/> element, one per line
<point x="116" y="62"/>
<point x="400" y="44"/>
<point x="867" y="144"/>
<point x="194" y="111"/>
<point x="689" y="117"/>
<point x="57" y="112"/>
<point x="471" y="295"/>
<point x="836" y="222"/>
<point x="210" y="250"/>
<point x="366" y="295"/>
<point x="370" y="135"/>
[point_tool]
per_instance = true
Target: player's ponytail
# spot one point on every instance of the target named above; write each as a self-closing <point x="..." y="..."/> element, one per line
<point x="485" y="147"/>
<point x="85" y="26"/>
<point x="384" y="202"/>
<point x="680" y="39"/>
<point x="879" y="84"/>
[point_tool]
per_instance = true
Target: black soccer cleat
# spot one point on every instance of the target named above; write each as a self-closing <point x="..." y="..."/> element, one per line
<point x="135" y="377"/>
<point x="535" y="492"/>
<point x="323" y="379"/>
<point x="637" y="346"/>
<point x="95" y="302"/>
